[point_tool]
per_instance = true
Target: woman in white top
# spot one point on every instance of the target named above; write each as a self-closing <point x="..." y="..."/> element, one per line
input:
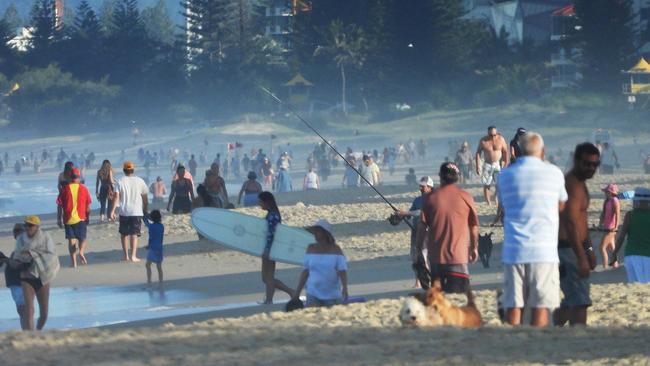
<point x="325" y="272"/>
<point x="311" y="181"/>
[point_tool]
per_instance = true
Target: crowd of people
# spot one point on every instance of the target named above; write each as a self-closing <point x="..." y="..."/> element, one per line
<point x="546" y="249"/>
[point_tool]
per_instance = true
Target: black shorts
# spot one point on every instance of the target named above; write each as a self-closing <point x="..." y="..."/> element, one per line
<point x="76" y="231"/>
<point x="454" y="278"/>
<point x="130" y="225"/>
<point x="36" y="283"/>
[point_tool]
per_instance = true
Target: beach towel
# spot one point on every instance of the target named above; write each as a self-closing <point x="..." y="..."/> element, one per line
<point x="41" y="252"/>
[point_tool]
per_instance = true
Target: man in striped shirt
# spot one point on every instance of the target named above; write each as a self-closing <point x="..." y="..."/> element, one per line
<point x="532" y="194"/>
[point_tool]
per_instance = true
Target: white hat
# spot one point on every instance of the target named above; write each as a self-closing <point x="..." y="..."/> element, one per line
<point x="325" y="225"/>
<point x="641" y="194"/>
<point x="426" y="181"/>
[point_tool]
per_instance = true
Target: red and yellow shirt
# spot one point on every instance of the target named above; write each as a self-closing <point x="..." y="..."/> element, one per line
<point x="74" y="199"/>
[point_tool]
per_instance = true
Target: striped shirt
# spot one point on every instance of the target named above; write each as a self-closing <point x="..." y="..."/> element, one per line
<point x="530" y="191"/>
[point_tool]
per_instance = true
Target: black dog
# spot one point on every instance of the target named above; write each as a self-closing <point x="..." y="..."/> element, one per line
<point x="485" y="248"/>
<point x="422" y="272"/>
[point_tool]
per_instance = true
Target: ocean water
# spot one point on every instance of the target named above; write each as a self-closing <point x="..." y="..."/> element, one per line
<point x="36" y="194"/>
<point x="82" y="307"/>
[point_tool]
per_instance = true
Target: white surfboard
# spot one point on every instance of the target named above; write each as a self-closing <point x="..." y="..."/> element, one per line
<point x="247" y="234"/>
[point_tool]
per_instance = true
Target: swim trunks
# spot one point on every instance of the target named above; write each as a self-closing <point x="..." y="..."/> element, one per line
<point x="490" y="173"/>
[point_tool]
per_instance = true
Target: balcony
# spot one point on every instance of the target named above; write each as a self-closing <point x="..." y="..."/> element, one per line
<point x="278" y="12"/>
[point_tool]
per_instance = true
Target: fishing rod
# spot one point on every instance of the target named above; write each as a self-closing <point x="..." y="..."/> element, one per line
<point x="269" y="93"/>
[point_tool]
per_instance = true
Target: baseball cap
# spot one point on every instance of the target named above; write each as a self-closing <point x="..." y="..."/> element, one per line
<point x="76" y="173"/>
<point x="611" y="188"/>
<point x="128" y="165"/>
<point x="426" y="181"/>
<point x="34" y="220"/>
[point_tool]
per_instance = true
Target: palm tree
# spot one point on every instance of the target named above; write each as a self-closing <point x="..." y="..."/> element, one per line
<point x="346" y="46"/>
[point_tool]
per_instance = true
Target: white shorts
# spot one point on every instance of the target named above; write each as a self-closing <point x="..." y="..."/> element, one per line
<point x="637" y="268"/>
<point x="534" y="285"/>
<point x="490" y="173"/>
<point x="17" y="295"/>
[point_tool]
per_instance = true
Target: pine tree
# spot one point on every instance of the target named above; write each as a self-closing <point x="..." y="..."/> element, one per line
<point x="8" y="56"/>
<point x="106" y="11"/>
<point x="157" y="23"/>
<point x="84" y="45"/>
<point x="605" y="38"/>
<point x="12" y="18"/>
<point x="127" y="46"/>
<point x="45" y="35"/>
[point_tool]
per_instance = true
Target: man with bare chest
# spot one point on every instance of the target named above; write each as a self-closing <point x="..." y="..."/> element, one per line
<point x="576" y="254"/>
<point x="493" y="150"/>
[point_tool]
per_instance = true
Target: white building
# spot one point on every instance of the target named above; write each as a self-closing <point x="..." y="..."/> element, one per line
<point x="521" y="19"/>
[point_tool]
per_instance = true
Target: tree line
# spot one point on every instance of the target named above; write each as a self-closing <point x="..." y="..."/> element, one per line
<point x="118" y="63"/>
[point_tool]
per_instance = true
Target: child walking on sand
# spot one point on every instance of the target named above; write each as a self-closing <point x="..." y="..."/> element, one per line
<point x="610" y="219"/>
<point x="155" y="246"/>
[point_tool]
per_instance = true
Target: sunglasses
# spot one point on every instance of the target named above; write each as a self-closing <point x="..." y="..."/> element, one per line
<point x="29" y="225"/>
<point x="591" y="164"/>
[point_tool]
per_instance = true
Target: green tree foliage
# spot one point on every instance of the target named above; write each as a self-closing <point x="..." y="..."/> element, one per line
<point x="8" y="56"/>
<point x="127" y="45"/>
<point x="228" y="57"/>
<point x="46" y="36"/>
<point x="106" y="11"/>
<point x="50" y="98"/>
<point x="12" y="18"/>
<point x="84" y="45"/>
<point x="345" y="45"/>
<point x="606" y="40"/>
<point x="158" y="24"/>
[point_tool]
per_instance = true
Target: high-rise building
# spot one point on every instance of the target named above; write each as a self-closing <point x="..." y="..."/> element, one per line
<point x="59" y="12"/>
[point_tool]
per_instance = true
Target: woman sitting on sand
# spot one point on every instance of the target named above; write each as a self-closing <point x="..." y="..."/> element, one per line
<point x="325" y="270"/>
<point x="273" y="218"/>
<point x="636" y="227"/>
<point x="250" y="190"/>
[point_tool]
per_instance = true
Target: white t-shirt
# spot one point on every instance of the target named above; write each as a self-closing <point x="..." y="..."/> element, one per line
<point x="311" y="181"/>
<point x="131" y="190"/>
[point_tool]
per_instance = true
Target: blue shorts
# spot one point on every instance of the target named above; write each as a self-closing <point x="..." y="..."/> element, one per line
<point x="574" y="288"/>
<point x="313" y="301"/>
<point x="154" y="256"/>
<point x="17" y="295"/>
<point x="76" y="231"/>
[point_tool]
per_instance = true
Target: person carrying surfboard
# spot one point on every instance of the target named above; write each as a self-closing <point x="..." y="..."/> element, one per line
<point x="273" y="218"/>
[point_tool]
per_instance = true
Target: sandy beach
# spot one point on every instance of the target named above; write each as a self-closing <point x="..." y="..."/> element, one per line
<point x="364" y="333"/>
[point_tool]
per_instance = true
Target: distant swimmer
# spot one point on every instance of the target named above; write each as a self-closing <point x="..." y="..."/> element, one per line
<point x="493" y="149"/>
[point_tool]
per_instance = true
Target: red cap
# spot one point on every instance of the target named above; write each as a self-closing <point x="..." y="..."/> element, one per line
<point x="76" y="172"/>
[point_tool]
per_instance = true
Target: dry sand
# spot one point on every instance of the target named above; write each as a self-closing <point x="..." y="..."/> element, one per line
<point x="368" y="333"/>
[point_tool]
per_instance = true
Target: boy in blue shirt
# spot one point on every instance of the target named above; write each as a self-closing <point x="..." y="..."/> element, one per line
<point x="155" y="246"/>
